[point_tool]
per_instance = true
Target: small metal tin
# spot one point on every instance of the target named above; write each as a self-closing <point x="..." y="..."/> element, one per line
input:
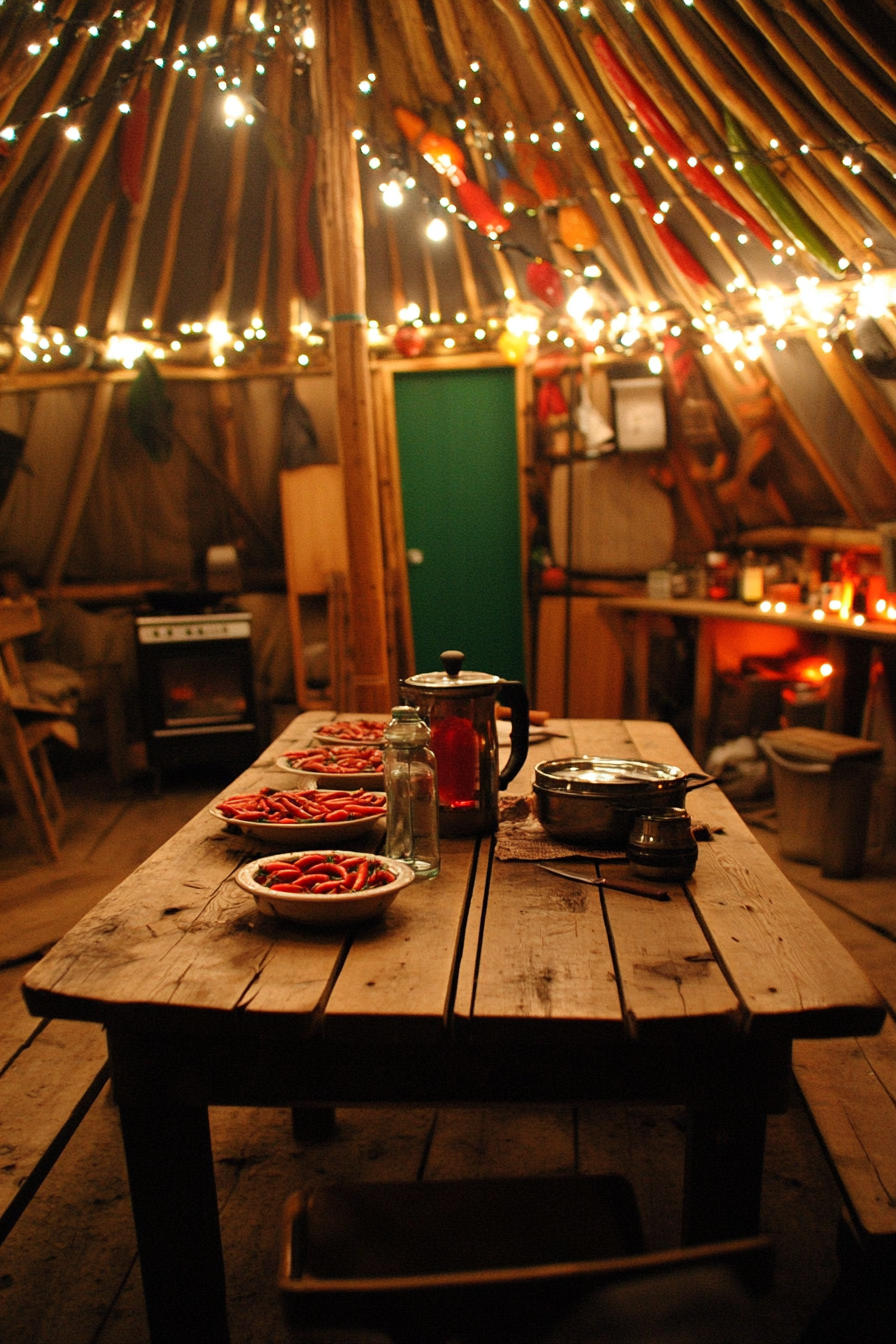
<point x="662" y="845"/>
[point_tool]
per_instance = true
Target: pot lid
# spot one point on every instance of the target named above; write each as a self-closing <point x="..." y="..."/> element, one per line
<point x="600" y="774"/>
<point x="452" y="680"/>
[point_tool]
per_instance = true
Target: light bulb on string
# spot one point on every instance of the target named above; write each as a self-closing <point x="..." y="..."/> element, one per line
<point x="393" y="196"/>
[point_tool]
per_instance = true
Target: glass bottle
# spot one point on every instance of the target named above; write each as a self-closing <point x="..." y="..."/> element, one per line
<point x="412" y="794"/>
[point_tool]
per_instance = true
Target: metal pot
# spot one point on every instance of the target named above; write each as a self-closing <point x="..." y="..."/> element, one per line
<point x="595" y="800"/>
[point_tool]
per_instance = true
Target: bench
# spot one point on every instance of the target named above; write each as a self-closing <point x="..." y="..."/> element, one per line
<point x="849" y="1087"/>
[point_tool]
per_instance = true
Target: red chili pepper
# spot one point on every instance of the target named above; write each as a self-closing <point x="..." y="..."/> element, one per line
<point x="671" y="143"/>
<point x="686" y="262"/>
<point x="361" y="876"/>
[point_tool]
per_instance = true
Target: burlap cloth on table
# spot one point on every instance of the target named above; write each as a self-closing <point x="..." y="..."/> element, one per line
<point x="522" y="836"/>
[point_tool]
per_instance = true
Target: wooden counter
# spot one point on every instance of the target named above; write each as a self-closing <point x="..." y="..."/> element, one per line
<point x="848" y="646"/>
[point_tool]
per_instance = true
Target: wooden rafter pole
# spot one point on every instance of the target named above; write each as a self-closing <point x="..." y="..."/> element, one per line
<point x="342" y="232"/>
<point x="116" y="318"/>
<point x="800" y="125"/>
<point x="812" y="193"/>
<point x="856" y="401"/>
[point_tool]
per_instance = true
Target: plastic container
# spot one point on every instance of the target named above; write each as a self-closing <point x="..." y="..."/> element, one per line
<point x="823" y="784"/>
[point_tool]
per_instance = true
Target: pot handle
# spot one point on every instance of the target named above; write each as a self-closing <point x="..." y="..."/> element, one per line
<point x="513" y="693"/>
<point x="701" y="782"/>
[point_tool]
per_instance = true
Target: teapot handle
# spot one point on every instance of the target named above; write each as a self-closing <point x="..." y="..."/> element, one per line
<point x="513" y="693"/>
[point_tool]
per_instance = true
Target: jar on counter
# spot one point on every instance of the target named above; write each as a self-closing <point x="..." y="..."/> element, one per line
<point x="718" y="575"/>
<point x="412" y="793"/>
<point x="752" y="579"/>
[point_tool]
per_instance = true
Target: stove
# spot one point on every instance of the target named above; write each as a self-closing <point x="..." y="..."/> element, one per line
<point x="196" y="688"/>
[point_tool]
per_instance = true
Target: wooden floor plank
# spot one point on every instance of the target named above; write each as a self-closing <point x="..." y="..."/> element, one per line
<point x="41" y="1102"/>
<point x="16" y="1023"/>
<point x="501" y="1141"/>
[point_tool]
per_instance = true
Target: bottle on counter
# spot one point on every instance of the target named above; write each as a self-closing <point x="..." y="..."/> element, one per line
<point x="752" y="579"/>
<point x="718" y="576"/>
<point x="412" y="793"/>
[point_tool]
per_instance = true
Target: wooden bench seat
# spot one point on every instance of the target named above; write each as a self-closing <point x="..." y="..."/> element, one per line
<point x="849" y="1087"/>
<point x="47" y="1088"/>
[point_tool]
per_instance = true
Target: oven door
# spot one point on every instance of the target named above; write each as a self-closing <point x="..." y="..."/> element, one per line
<point x="198" y="702"/>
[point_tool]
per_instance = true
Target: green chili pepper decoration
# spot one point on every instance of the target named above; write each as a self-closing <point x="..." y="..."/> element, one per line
<point x="762" y="180"/>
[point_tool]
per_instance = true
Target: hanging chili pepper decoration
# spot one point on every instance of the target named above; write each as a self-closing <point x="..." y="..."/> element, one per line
<point x="132" y="146"/>
<point x="576" y="228"/>
<point x="545" y="283"/>
<point x="765" y="183"/>
<point x="671" y="143"/>
<point x="478" y="205"/>
<point x="685" y="260"/>
<point x="309" y="275"/>
<point x="439" y="150"/>
<point x="550" y="401"/>
<point x="448" y="158"/>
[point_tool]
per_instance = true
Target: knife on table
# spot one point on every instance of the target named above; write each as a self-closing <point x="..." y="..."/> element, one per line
<point x="634" y="888"/>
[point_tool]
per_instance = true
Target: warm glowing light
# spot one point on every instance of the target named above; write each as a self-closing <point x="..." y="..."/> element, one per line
<point x="818" y="614"/>
<point x="765" y="606"/>
<point x="579" y="303"/>
<point x="392" y="193"/>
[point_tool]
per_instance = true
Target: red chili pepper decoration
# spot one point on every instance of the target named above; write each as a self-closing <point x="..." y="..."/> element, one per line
<point x="409" y="341"/>
<point x="132" y="146"/>
<point x="550" y="401"/>
<point x="478" y="205"/>
<point x="686" y="262"/>
<point x="545" y="283"/>
<point x="671" y="143"/>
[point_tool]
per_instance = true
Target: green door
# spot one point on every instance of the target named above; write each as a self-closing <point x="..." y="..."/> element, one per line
<point x="460" y="487"/>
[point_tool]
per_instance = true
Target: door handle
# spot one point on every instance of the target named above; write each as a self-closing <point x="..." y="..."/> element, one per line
<point x="415" y="556"/>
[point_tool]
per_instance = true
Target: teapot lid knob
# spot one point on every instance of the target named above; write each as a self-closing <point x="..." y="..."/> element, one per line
<point x="452" y="661"/>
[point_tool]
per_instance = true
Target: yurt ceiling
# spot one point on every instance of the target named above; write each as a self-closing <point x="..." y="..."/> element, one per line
<point x="704" y="189"/>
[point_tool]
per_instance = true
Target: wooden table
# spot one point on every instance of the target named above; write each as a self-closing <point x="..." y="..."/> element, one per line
<point x="494" y="982"/>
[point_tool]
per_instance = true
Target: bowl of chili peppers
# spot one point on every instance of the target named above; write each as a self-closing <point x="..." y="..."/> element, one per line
<point x="315" y="816"/>
<point x="352" y="732"/>
<point x="346" y="767"/>
<point x="325" y="886"/>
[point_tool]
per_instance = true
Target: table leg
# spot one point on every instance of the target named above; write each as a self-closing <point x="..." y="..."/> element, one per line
<point x="641" y="664"/>
<point x="704" y="679"/>
<point x="172" y="1179"/>
<point x="722" y="1174"/>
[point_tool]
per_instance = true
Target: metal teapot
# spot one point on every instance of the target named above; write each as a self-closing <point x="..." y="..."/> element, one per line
<point x="459" y="707"/>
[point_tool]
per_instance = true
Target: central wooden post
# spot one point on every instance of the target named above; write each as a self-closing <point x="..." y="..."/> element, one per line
<point x="342" y="231"/>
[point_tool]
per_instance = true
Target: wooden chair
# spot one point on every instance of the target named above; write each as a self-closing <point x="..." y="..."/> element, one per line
<point x="24" y="727"/>
<point x="479" y="1260"/>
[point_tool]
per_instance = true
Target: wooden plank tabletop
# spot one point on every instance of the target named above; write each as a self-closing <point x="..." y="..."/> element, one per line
<point x="734" y="951"/>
